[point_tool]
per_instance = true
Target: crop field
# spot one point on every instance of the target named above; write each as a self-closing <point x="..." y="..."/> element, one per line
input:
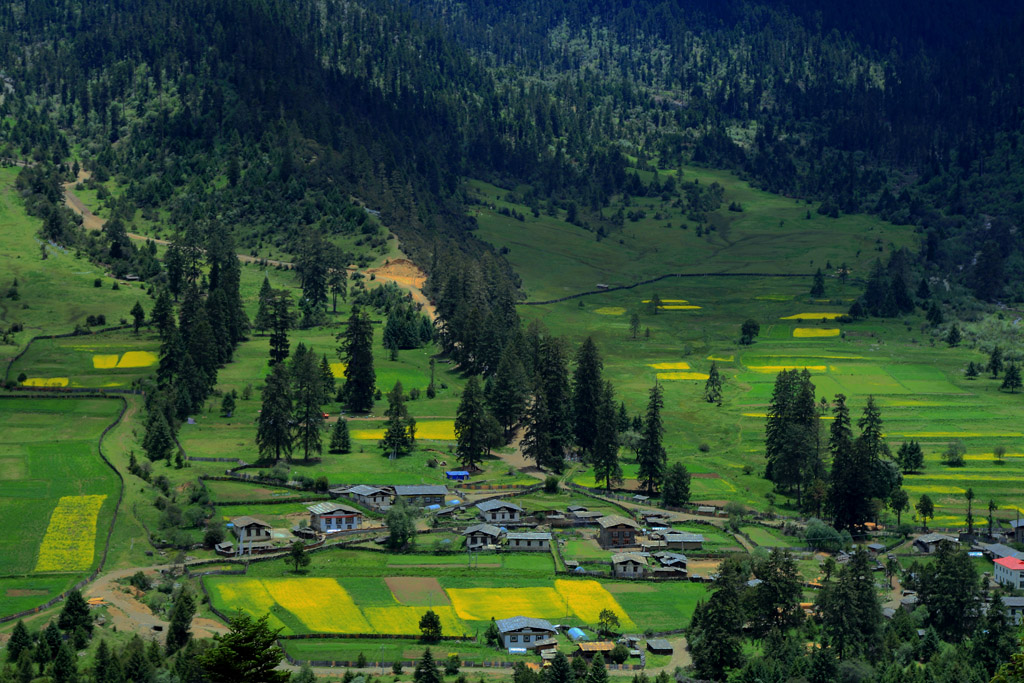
<point x="53" y="482"/>
<point x="113" y="359"/>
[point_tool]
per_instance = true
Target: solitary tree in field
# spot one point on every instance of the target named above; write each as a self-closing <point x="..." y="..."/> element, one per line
<point x="818" y="288"/>
<point x="1012" y="380"/>
<point x="926" y="509"/>
<point x="340" y="441"/>
<point x="676" y="491"/>
<point x="430" y="626"/>
<point x="400" y="428"/>
<point x="899" y="501"/>
<point x="634" y="325"/>
<point x="227" y="405"/>
<point x="651" y="456"/>
<point x="297" y="556"/>
<point x="954" y="337"/>
<point x="138" y="316"/>
<point x="969" y="495"/>
<point x="972" y="371"/>
<point x="750" y="329"/>
<point x="995" y="361"/>
<point x="655" y="303"/>
<point x="356" y="351"/>
<point x="273" y="426"/>
<point x="607" y="621"/>
<point x="713" y="386"/>
<point x="472" y="431"/>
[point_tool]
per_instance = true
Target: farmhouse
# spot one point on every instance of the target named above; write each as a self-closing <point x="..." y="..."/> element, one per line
<point x="617" y="532"/>
<point x="422" y="495"/>
<point x="571" y="509"/>
<point x="586" y="517"/>
<point x="1014" y="608"/>
<point x="684" y="541"/>
<point x="1009" y="571"/>
<point x="524" y="631"/>
<point x="330" y="517"/>
<point x="995" y="551"/>
<point x="875" y="549"/>
<point x="629" y="565"/>
<point x="1017" y="530"/>
<point x="251" y="530"/>
<point x="499" y="511"/>
<point x="370" y="496"/>
<point x="659" y="646"/>
<point x="532" y="541"/>
<point x="929" y="543"/>
<point x="588" y="650"/>
<point x="481" y="536"/>
<point x="672" y="560"/>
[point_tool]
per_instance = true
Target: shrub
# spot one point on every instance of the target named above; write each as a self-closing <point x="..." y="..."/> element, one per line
<point x="140" y="581"/>
<point x="98" y="282"/>
<point x="551" y="484"/>
<point x="619" y="654"/>
<point x="703" y="447"/>
<point x="953" y="456"/>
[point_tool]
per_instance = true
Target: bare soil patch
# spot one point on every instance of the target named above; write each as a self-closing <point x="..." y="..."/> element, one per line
<point x="415" y="590"/>
<point x="23" y="592"/>
<point x="703" y="567"/>
<point x="401" y="271"/>
<point x="706" y="475"/>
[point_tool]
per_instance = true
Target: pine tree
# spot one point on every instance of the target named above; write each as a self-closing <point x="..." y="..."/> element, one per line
<point x="713" y="386"/>
<point x="75" y="614"/>
<point x="851" y="613"/>
<point x="597" y="672"/>
<point x="182" y="611"/>
<point x="553" y="381"/>
<point x="605" y="449"/>
<point x="327" y="381"/>
<point x="506" y="395"/>
<point x="715" y="634"/>
<point x="775" y="603"/>
<point x="471" y="426"/>
<point x="340" y="441"/>
<point x="65" y="669"/>
<point x="138" y="316"/>
<point x="926" y="509"/>
<point x="356" y="351"/>
<point x="586" y="395"/>
<point x="972" y="370"/>
<point x="307" y="398"/>
<point x="280" y="321"/>
<point x="400" y="429"/>
<point x="1012" y="378"/>
<point x="818" y="288"/>
<point x="248" y="652"/>
<point x="227" y="405"/>
<point x="273" y="426"/>
<point x="934" y="315"/>
<point x="163" y="313"/>
<point x="676" y="492"/>
<point x="264" y="313"/>
<point x="995" y="361"/>
<point x="634" y="325"/>
<point x="954" y="337"/>
<point x="19" y="641"/>
<point x="993" y="641"/>
<point x="652" y="456"/>
<point x="536" y="442"/>
<point x="849" y="487"/>
<point x="426" y="669"/>
<point x="158" y="440"/>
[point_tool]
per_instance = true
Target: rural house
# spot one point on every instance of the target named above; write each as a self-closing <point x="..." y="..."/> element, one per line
<point x="629" y="565"/>
<point x="1009" y="571"/>
<point x="251" y="530"/>
<point x="994" y="551"/>
<point x="422" y="495"/>
<point x="330" y="517"/>
<point x="659" y="646"/>
<point x="1014" y="608"/>
<point x="617" y="532"/>
<point x="672" y="560"/>
<point x="679" y="540"/>
<point x="481" y="536"/>
<point x="531" y="541"/>
<point x="588" y="650"/>
<point x="929" y="543"/>
<point x="523" y="632"/>
<point x="499" y="511"/>
<point x="370" y="496"/>
<point x="1017" y="530"/>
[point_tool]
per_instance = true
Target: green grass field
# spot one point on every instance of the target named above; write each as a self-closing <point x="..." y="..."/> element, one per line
<point x="48" y="450"/>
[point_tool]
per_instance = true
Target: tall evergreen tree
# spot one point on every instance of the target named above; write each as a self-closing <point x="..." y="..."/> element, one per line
<point x="775" y="603"/>
<point x="280" y="321"/>
<point x="163" y="313"/>
<point x="273" y="426"/>
<point x="138" y="316"/>
<point x="652" y="457"/>
<point x="1012" y="378"/>
<point x="713" y="385"/>
<point x="400" y="428"/>
<point x="471" y="426"/>
<point x="586" y="395"/>
<point x="158" y="439"/>
<point x="19" y="641"/>
<point x="995" y="361"/>
<point x="340" y="440"/>
<point x="951" y="590"/>
<point x="676" y="492"/>
<point x="247" y="652"/>
<point x="818" y="287"/>
<point x="715" y="634"/>
<point x="179" y="630"/>
<point x="605" y="448"/>
<point x="851" y="613"/>
<point x="307" y="398"/>
<point x="506" y="395"/>
<point x="75" y="614"/>
<point x="356" y="351"/>
<point x="536" y="442"/>
<point x="791" y="433"/>
<point x="426" y="670"/>
<point x="265" y="310"/>
<point x="849" y="485"/>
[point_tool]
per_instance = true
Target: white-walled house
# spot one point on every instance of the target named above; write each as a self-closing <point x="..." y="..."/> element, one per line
<point x="330" y="517"/>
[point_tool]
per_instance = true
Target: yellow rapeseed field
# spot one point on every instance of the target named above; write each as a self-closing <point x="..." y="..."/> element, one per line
<point x="805" y="332"/>
<point x="434" y="430"/>
<point x="682" y="375"/>
<point x="321" y="605"/>
<point x="588" y="598"/>
<point x="338" y="370"/>
<point x="405" y="620"/>
<point x="938" y="490"/>
<point x="813" y="316"/>
<point x="138" y="359"/>
<point x="480" y="604"/>
<point x="954" y="435"/>
<point x="669" y="366"/>
<point x="670" y="301"/>
<point x="105" y="361"/>
<point x="780" y="368"/>
<point x="610" y="310"/>
<point x="71" y="535"/>
<point x="722" y="359"/>
<point x="679" y="307"/>
<point x="247" y="595"/>
<point x="46" y="382"/>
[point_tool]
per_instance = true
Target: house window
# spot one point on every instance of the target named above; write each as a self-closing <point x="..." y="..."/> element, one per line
<point x="615" y="534"/>
<point x="513" y="639"/>
<point x="526" y="639"/>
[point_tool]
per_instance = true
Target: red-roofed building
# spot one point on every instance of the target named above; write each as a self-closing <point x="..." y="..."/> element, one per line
<point x="1010" y="572"/>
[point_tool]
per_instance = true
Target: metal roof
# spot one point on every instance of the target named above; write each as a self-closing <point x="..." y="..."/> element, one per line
<point x="245" y="520"/>
<point x="488" y="505"/>
<point x="618" y="558"/>
<point x="327" y="508"/>
<point x="488" y="529"/>
<point x="599" y="646"/>
<point x="616" y="520"/>
<point x="529" y="536"/>
<point x="659" y="644"/>
<point x="422" y="490"/>
<point x="364" y="490"/>
<point x="520" y="623"/>
<point x="684" y="537"/>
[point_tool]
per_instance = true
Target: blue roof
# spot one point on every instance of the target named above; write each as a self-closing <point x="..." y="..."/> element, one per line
<point x="453" y="502"/>
<point x="577" y="634"/>
<point x="434" y="507"/>
<point x="462" y="473"/>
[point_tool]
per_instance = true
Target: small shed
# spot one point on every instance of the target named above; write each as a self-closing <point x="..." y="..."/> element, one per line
<point x="577" y="634"/>
<point x="659" y="646"/>
<point x="588" y="650"/>
<point x="457" y="475"/>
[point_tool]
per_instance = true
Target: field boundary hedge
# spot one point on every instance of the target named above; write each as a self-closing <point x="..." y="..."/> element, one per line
<point x="619" y="288"/>
<point x="113" y="519"/>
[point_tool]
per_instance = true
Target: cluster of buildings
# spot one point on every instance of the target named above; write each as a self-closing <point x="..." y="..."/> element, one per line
<point x="523" y="634"/>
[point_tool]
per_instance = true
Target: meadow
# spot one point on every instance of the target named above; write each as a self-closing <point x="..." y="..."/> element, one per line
<point x="53" y="482"/>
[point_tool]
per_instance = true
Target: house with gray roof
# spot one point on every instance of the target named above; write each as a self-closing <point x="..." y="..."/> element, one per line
<point x="524" y="632"/>
<point x="372" y="497"/>
<point x="422" y="495"/>
<point x="482" y="535"/>
<point x="681" y="540"/>
<point x="1014" y="608"/>
<point x="329" y="517"/>
<point x="929" y="543"/>
<point x="250" y="530"/>
<point x="629" y="565"/>
<point x="534" y="541"/>
<point x="617" y="532"/>
<point x="1017" y="530"/>
<point x="499" y="511"/>
<point x="671" y="559"/>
